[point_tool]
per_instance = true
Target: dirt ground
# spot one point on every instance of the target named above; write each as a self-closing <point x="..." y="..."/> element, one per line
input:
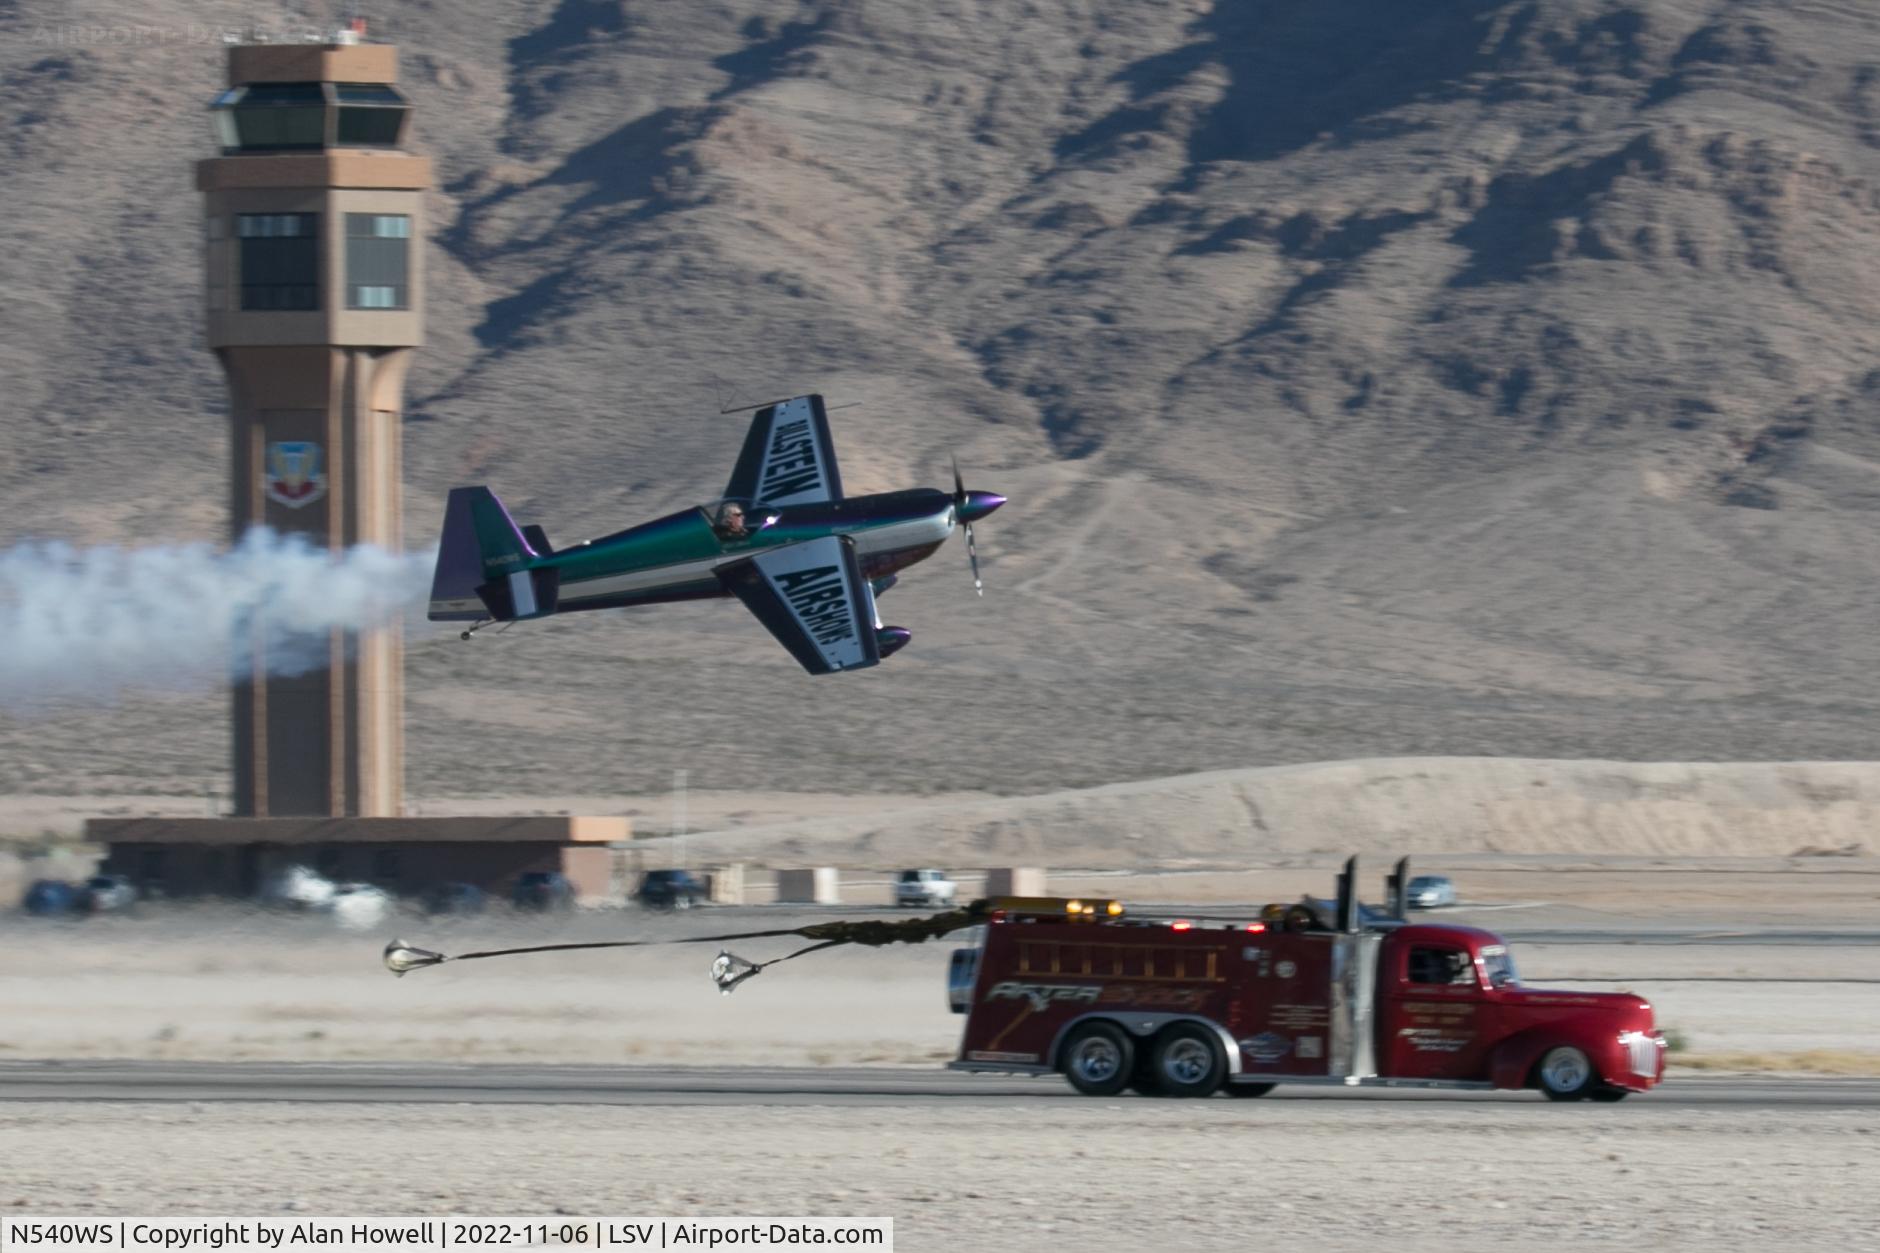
<point x="212" y="983"/>
<point x="1135" y="1175"/>
<point x="1424" y="1177"/>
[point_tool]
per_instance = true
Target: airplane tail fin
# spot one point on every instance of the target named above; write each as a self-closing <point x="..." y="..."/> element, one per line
<point x="483" y="564"/>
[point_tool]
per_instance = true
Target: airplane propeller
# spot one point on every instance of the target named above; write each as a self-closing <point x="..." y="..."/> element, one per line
<point x="967" y="506"/>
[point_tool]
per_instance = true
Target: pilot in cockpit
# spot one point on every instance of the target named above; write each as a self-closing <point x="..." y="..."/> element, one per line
<point x="730" y="524"/>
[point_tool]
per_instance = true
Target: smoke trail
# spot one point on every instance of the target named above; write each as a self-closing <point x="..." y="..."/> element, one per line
<point x="89" y="623"/>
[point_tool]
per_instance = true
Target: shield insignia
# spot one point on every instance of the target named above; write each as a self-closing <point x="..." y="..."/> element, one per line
<point x="1266" y="1048"/>
<point x="294" y="475"/>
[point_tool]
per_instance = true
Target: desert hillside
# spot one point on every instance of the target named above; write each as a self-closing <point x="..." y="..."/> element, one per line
<point x="1482" y="379"/>
<point x="1381" y="809"/>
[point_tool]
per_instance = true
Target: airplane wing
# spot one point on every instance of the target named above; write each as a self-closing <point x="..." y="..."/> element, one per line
<point x="788" y="457"/>
<point x="813" y="598"/>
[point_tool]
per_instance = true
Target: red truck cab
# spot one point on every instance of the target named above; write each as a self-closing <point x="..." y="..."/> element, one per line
<point x="1189" y="1007"/>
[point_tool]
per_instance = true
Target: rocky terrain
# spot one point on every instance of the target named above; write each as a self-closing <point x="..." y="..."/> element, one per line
<point x="1490" y="378"/>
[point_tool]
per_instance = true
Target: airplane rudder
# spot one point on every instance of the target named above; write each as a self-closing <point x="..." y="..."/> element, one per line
<point x="499" y="541"/>
<point x="459" y="568"/>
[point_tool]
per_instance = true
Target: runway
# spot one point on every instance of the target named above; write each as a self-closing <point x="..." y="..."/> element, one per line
<point x="393" y="1083"/>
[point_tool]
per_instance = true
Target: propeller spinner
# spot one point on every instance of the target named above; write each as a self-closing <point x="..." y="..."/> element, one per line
<point x="968" y="507"/>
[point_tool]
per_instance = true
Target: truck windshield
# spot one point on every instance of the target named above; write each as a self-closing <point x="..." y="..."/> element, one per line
<point x="1499" y="965"/>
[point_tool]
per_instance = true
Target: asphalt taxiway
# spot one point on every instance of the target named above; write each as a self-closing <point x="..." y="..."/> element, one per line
<point x="382" y="1083"/>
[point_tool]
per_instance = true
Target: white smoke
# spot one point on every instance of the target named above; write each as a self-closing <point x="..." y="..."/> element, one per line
<point x="90" y="623"/>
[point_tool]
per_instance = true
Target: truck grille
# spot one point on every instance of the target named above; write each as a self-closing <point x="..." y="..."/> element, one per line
<point x="1642" y="1050"/>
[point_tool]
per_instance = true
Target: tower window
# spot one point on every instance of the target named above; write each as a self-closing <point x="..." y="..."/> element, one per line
<point x="280" y="260"/>
<point x="277" y="117"/>
<point x="371" y="115"/>
<point x="271" y="116"/>
<point x="377" y="260"/>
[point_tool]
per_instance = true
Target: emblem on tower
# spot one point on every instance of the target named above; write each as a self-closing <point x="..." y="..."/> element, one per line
<point x="294" y="474"/>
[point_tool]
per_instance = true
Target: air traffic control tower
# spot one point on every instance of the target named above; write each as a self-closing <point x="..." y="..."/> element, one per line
<point x="315" y="285"/>
<point x="314" y="222"/>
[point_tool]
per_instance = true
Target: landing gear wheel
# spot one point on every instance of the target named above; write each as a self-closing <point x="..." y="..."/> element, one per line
<point x="1565" y="1073"/>
<point x="1098" y="1059"/>
<point x="1187" y="1061"/>
<point x="1248" y="1089"/>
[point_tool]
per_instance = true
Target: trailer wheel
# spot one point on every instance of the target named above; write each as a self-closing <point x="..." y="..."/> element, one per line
<point x="1098" y="1059"/>
<point x="1565" y="1073"/>
<point x="1188" y="1062"/>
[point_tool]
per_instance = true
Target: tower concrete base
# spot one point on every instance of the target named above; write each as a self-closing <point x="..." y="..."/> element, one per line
<point x="409" y="856"/>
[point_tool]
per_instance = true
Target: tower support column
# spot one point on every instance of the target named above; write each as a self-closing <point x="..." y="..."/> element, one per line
<point x="318" y="729"/>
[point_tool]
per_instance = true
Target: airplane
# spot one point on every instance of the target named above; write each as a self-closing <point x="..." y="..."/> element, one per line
<point x="807" y="560"/>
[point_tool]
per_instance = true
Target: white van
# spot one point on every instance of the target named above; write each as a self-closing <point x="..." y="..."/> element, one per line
<point x="924" y="887"/>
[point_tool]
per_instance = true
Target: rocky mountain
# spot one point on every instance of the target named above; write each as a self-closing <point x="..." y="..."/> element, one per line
<point x="1370" y="378"/>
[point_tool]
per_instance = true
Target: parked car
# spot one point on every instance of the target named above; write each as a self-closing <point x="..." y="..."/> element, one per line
<point x="52" y="898"/>
<point x="454" y="898"/>
<point x="925" y="887"/>
<point x="360" y="906"/>
<point x="671" y="889"/>
<point x="298" y="887"/>
<point x="108" y="893"/>
<point x="1429" y="891"/>
<point x="542" y="889"/>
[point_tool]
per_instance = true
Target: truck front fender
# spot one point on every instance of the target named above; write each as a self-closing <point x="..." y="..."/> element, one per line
<point x="1513" y="1058"/>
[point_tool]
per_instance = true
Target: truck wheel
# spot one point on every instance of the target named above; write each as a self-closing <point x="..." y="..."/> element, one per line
<point x="1565" y="1073"/>
<point x="1606" y="1094"/>
<point x="1248" y="1089"/>
<point x="1142" y="1077"/>
<point x="1188" y="1062"/>
<point x="1098" y="1059"/>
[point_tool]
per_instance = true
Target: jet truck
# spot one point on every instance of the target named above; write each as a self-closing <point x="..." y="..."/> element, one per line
<point x="1328" y="993"/>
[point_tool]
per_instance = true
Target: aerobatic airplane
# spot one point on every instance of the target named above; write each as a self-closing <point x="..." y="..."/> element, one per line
<point x="807" y="560"/>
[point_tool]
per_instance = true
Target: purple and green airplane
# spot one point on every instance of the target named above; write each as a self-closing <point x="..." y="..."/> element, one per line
<point x="807" y="560"/>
